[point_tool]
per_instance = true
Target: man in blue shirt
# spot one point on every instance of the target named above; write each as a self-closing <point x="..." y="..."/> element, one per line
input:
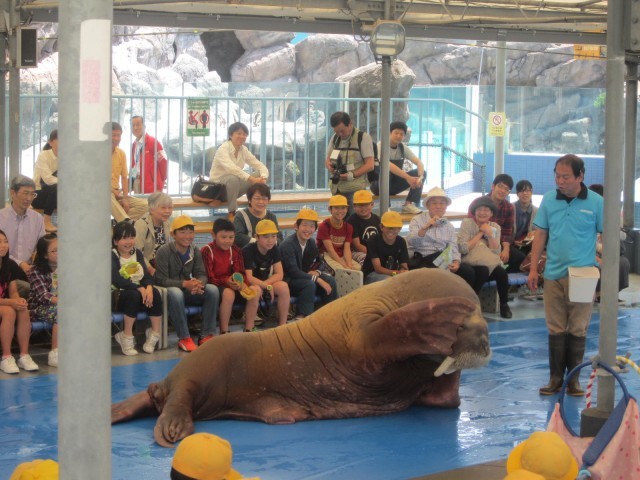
<point x="568" y="222"/>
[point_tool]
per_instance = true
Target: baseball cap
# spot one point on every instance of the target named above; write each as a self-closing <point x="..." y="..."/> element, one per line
<point x="338" y="201"/>
<point x="391" y="220"/>
<point x="265" y="227"/>
<point x="362" y="196"/>
<point x="37" y="469"/>
<point x="180" y="222"/>
<point x="307" y="214"/>
<point x="203" y="456"/>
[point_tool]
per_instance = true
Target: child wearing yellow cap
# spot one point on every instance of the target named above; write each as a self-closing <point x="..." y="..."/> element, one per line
<point x="335" y="235"/>
<point x="263" y="267"/>
<point x="299" y="254"/>
<point x="387" y="254"/>
<point x="365" y="223"/>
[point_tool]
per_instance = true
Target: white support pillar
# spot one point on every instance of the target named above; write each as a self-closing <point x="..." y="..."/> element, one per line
<point x="501" y="87"/>
<point x="84" y="372"/>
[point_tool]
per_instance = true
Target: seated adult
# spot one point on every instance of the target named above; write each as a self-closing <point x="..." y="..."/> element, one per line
<point x="46" y="179"/>
<point x="525" y="211"/>
<point x="152" y="230"/>
<point x="246" y="220"/>
<point x="430" y="234"/>
<point x="479" y="243"/>
<point x="123" y="207"/>
<point x="504" y="217"/>
<point x="228" y="166"/>
<point x="399" y="180"/>
<point x="23" y="227"/>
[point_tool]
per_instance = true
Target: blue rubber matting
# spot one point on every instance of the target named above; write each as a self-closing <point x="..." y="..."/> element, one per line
<point x="500" y="406"/>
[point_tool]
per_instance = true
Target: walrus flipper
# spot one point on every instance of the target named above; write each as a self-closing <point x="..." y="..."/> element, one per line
<point x="172" y="426"/>
<point x="428" y="327"/>
<point x="139" y="405"/>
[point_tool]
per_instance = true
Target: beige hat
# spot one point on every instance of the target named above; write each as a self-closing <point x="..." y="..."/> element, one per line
<point x="436" y="192"/>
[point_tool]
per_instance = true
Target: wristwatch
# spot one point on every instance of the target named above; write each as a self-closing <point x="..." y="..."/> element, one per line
<point x="269" y="288"/>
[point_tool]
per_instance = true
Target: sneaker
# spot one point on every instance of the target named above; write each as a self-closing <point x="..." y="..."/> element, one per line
<point x="8" y="365"/>
<point x="186" y="344"/>
<point x="25" y="362"/>
<point x="411" y="208"/>
<point x="152" y="340"/>
<point x="202" y="339"/>
<point x="127" y="343"/>
<point x="254" y="329"/>
<point x="52" y="359"/>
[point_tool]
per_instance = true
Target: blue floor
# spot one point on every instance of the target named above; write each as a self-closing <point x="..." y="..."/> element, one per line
<point x="500" y="406"/>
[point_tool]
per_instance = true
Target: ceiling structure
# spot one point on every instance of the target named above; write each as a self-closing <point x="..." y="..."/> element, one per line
<point x="554" y="21"/>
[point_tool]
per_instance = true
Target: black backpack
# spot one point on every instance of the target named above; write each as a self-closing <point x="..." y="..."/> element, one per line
<point x="373" y="175"/>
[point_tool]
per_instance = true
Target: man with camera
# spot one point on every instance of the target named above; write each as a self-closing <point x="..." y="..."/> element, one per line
<point x="349" y="158"/>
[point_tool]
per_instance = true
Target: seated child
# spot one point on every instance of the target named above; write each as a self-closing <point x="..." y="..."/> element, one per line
<point x="263" y="267"/>
<point x="179" y="268"/>
<point x="221" y="260"/>
<point x="387" y="254"/>
<point x="130" y="277"/>
<point x="334" y="236"/>
<point x="43" y="294"/>
<point x="299" y="256"/>
<point x="365" y="224"/>
<point x="13" y="307"/>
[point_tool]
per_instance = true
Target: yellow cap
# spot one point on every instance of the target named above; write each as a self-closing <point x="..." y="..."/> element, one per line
<point x="180" y="222"/>
<point x="391" y="220"/>
<point x="204" y="456"/>
<point x="38" y="469"/>
<point x="307" y="214"/>
<point x="265" y="227"/>
<point x="363" y="196"/>
<point x="338" y="201"/>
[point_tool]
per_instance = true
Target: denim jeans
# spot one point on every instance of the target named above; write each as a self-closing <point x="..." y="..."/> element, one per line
<point x="375" y="277"/>
<point x="306" y="290"/>
<point x="178" y="298"/>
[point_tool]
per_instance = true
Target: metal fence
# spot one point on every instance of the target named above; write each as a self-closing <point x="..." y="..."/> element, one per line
<point x="289" y="135"/>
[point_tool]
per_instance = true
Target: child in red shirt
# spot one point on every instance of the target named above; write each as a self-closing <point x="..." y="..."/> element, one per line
<point x="335" y="235"/>
<point x="221" y="260"/>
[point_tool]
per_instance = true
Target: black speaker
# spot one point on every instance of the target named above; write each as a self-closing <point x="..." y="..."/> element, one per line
<point x="27" y="51"/>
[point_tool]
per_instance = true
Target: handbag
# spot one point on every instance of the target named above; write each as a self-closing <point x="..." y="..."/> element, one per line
<point x="482" y="256"/>
<point x="615" y="450"/>
<point x="206" y="191"/>
<point x="525" y="266"/>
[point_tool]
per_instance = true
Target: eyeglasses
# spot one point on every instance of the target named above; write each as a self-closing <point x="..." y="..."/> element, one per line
<point x="28" y="194"/>
<point x="503" y="187"/>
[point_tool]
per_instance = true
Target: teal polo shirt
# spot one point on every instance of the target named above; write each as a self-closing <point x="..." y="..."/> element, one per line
<point x="572" y="225"/>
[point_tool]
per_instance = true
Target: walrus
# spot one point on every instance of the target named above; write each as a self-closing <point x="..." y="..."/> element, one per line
<point x="380" y="349"/>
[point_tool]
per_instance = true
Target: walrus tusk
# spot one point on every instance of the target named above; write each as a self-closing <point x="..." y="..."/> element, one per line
<point x="446" y="367"/>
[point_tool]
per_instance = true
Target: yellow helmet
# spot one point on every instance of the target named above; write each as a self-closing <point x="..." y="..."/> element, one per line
<point x="265" y="227"/>
<point x="307" y="214"/>
<point x="338" y="201"/>
<point x="391" y="220"/>
<point x="362" y="196"/>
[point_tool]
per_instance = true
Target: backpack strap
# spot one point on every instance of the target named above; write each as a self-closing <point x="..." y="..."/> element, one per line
<point x="247" y="222"/>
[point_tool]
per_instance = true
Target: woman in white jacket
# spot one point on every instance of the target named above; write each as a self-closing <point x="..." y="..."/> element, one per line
<point x="228" y="166"/>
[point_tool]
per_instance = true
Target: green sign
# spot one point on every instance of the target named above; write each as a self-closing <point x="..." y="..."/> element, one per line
<point x="198" y="117"/>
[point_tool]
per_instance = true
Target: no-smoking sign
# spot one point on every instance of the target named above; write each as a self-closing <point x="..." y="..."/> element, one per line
<point x="496" y="124"/>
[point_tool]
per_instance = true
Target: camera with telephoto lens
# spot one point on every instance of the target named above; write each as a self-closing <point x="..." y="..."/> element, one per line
<point x="338" y="169"/>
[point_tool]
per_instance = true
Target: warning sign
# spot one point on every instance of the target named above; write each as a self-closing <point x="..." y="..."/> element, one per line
<point x="198" y="117"/>
<point x="496" y="124"/>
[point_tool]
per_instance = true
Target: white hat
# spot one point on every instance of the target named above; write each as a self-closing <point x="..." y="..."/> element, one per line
<point x="436" y="192"/>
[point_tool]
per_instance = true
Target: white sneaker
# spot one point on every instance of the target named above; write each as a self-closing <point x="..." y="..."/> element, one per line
<point x="25" y="362"/>
<point x="151" y="342"/>
<point x="8" y="365"/>
<point x="52" y="360"/>
<point x="411" y="208"/>
<point x="127" y="343"/>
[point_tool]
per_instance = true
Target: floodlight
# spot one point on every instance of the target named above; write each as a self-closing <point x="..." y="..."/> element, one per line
<point x="387" y="39"/>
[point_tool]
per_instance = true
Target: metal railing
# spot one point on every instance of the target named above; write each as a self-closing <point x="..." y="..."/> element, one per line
<point x="289" y="135"/>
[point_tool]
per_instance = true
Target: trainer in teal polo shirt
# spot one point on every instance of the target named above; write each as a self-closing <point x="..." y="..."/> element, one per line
<point x="572" y="224"/>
